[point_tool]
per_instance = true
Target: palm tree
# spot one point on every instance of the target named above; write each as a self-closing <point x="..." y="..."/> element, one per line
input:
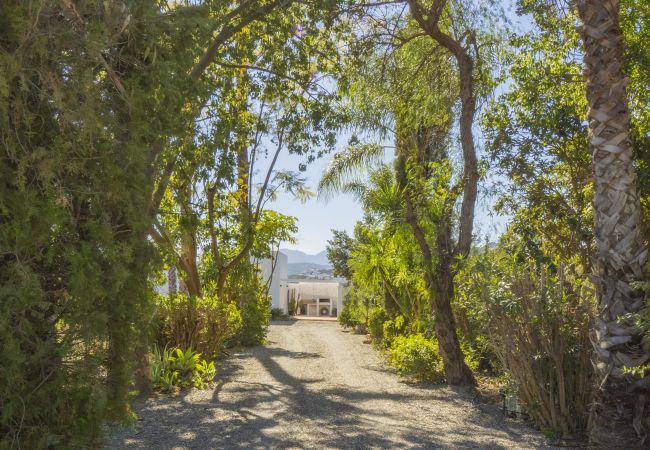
<point x="620" y="399"/>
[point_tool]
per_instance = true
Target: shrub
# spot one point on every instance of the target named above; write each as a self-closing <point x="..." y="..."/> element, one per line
<point x="256" y="314"/>
<point x="540" y="330"/>
<point x="246" y="287"/>
<point x="345" y="318"/>
<point x="277" y="313"/>
<point x="376" y="318"/>
<point x="204" y="324"/>
<point x="354" y="311"/>
<point x="417" y="357"/>
<point x="393" y="328"/>
<point x="533" y="316"/>
<point x="180" y="368"/>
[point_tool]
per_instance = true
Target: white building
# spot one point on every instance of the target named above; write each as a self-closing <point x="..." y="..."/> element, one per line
<point x="312" y="297"/>
<point x="274" y="269"/>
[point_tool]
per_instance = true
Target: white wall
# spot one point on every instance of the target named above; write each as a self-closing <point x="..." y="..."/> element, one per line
<point x="280" y="272"/>
<point x="313" y="290"/>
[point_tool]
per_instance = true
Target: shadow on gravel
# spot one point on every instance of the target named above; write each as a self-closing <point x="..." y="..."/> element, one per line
<point x="286" y="412"/>
<point x="280" y="352"/>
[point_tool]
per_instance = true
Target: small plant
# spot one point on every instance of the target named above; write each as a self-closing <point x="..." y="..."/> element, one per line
<point x="417" y="357"/>
<point x="181" y="369"/>
<point x="277" y="313"/>
<point x="345" y="318"/>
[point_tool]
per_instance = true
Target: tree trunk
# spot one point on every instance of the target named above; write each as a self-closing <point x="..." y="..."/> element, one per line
<point x="456" y="370"/>
<point x="142" y="371"/>
<point x="429" y="24"/>
<point x="441" y="283"/>
<point x="221" y="284"/>
<point x="616" y="418"/>
<point x="189" y="255"/>
<point x="241" y="146"/>
<point x="189" y="252"/>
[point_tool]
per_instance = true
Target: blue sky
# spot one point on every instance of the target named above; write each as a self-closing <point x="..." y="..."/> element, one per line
<point x="316" y="218"/>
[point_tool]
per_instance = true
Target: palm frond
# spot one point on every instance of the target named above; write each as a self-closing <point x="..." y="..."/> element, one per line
<point x="346" y="165"/>
<point x="357" y="189"/>
<point x="384" y="196"/>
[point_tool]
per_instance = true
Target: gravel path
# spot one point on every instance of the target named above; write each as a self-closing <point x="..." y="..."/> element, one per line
<point x="316" y="386"/>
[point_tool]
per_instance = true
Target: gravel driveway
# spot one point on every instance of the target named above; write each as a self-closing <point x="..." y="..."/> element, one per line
<point x="316" y="386"/>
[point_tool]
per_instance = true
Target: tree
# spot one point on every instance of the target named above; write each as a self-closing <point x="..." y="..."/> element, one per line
<point x="75" y="262"/>
<point x="100" y="103"/>
<point x="338" y="253"/>
<point x="620" y="251"/>
<point x="431" y="61"/>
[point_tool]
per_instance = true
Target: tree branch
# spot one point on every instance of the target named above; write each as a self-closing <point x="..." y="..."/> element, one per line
<point x="228" y="31"/>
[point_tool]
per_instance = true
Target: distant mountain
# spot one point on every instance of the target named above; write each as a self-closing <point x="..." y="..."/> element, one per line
<point x="302" y="267"/>
<point x="296" y="256"/>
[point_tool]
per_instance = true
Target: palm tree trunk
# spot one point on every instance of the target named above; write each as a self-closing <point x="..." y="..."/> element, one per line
<point x="616" y="419"/>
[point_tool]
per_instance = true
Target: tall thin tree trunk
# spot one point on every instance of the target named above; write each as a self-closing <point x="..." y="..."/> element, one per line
<point x="616" y="418"/>
<point x="429" y="23"/>
<point x="189" y="263"/>
<point x="241" y="147"/>
<point x="441" y="283"/>
<point x="189" y="250"/>
<point x="456" y="370"/>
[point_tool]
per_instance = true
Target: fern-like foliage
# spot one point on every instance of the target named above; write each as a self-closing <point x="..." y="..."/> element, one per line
<point x="345" y="168"/>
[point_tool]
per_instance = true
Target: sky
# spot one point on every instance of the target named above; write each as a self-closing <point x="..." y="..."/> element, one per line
<point x="316" y="217"/>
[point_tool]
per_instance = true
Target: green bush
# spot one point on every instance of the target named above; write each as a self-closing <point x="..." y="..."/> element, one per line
<point x="180" y="368"/>
<point x="277" y="313"/>
<point x="530" y="318"/>
<point x="376" y="318"/>
<point x="346" y="318"/>
<point x="247" y="289"/>
<point x="354" y="313"/>
<point x="393" y="328"/>
<point x="256" y="314"/>
<point x="417" y="357"/>
<point x="204" y="324"/>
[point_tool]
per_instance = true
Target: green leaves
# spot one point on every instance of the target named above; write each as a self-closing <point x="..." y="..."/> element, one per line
<point x="537" y="138"/>
<point x="345" y="167"/>
<point x="417" y="357"/>
<point x="178" y="368"/>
